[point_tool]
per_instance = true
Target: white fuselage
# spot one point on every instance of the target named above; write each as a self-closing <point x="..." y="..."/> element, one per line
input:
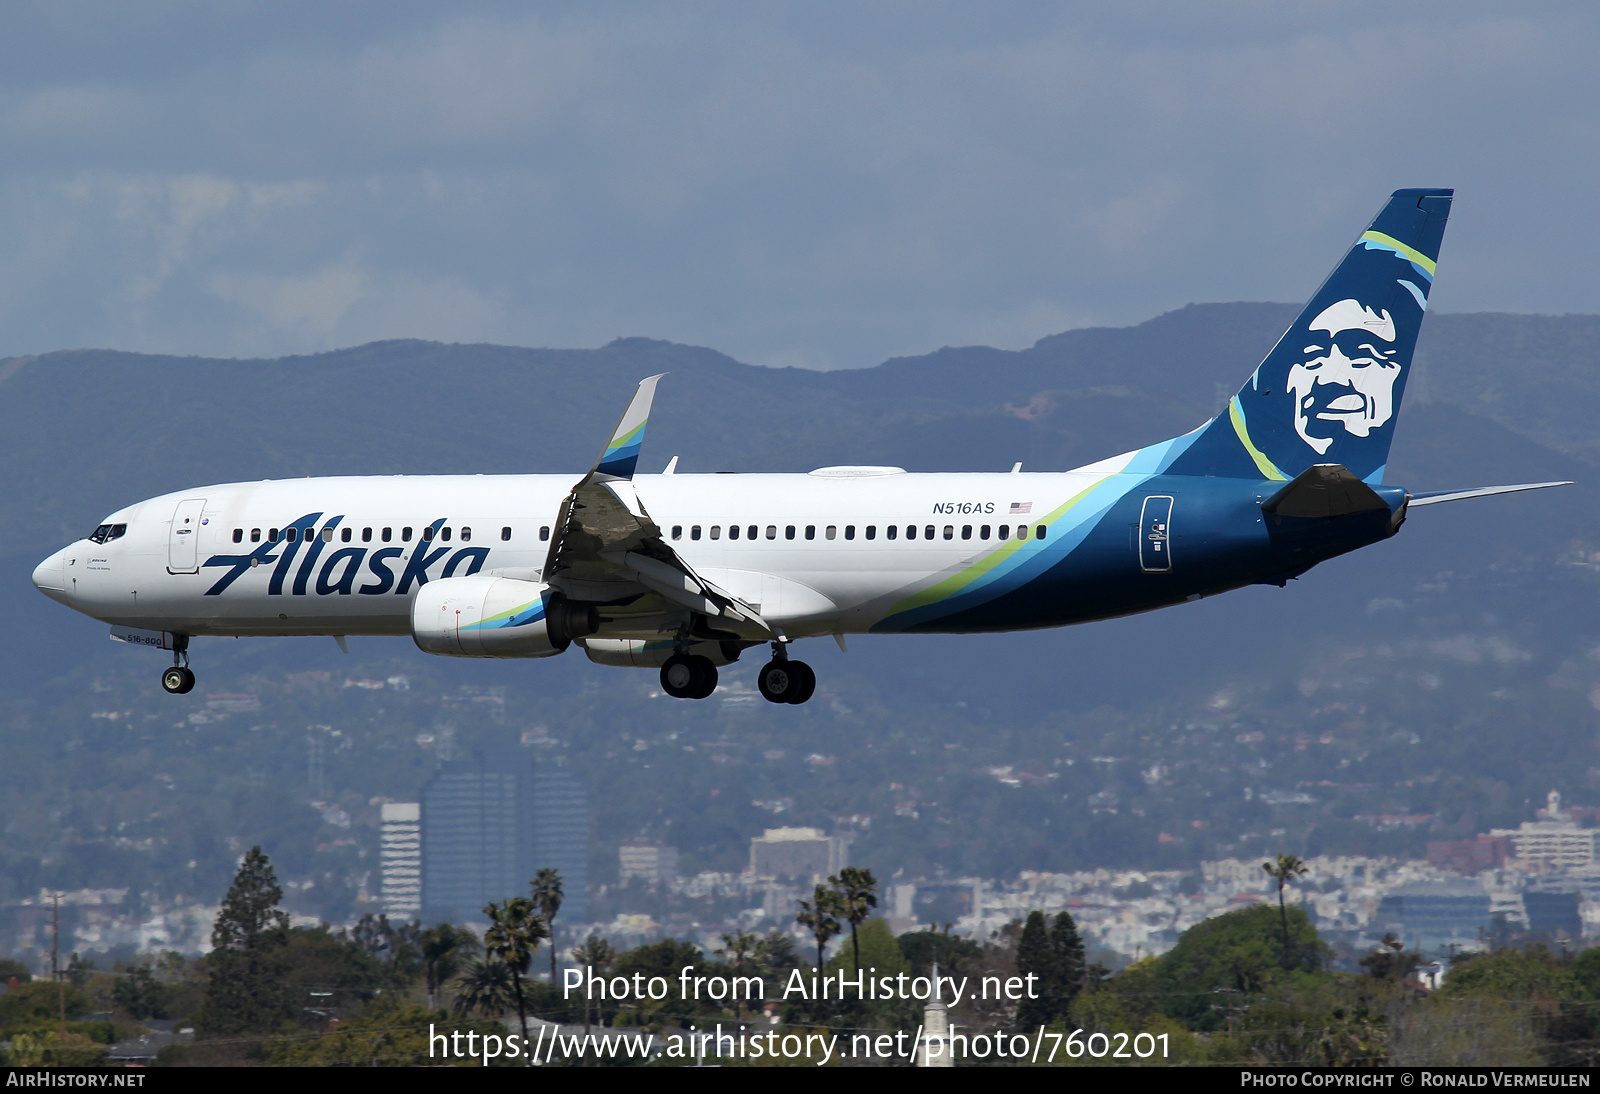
<point x="814" y="550"/>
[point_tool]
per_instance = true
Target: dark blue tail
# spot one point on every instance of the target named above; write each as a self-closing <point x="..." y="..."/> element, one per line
<point x="1329" y="391"/>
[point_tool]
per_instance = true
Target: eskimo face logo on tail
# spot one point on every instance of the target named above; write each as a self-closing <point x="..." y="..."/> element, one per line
<point x="1345" y="379"/>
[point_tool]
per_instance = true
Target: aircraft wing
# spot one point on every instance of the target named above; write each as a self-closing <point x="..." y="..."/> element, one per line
<point x="606" y="548"/>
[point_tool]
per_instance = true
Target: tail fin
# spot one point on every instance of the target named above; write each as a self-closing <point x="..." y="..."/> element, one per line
<point x="1329" y="391"/>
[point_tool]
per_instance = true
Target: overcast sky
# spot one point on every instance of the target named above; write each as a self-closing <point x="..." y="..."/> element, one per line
<point x="812" y="184"/>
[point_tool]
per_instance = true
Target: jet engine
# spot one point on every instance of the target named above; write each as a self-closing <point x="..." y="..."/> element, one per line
<point x="487" y="616"/>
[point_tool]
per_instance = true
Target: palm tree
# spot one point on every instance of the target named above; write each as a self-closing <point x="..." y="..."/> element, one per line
<point x="443" y="948"/>
<point x="547" y="892"/>
<point x="485" y="988"/>
<point x="817" y="915"/>
<point x="514" y="933"/>
<point x="857" y="892"/>
<point x="740" y="947"/>
<point x="1288" y="868"/>
<point x="597" y="954"/>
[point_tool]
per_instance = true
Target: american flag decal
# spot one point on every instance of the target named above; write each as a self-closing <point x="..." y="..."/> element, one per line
<point x="1021" y="508"/>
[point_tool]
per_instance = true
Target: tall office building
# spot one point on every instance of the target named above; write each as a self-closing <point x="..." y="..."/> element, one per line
<point x="561" y="836"/>
<point x="401" y="859"/>
<point x="654" y="863"/>
<point x="801" y="854"/>
<point x="489" y="822"/>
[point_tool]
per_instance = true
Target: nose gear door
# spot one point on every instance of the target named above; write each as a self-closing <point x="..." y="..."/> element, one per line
<point x="183" y="542"/>
<point x="1155" y="537"/>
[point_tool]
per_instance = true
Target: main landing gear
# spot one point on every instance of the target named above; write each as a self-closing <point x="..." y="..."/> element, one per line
<point x="784" y="681"/>
<point x="179" y="679"/>
<point x="688" y="676"/>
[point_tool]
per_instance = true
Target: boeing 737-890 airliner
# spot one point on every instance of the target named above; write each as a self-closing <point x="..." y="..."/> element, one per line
<point x="685" y="572"/>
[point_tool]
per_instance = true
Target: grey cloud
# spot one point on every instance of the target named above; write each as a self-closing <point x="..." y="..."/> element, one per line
<point x="789" y="183"/>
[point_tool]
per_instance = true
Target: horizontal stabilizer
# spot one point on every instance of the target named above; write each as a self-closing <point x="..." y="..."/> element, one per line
<point x="1437" y="496"/>
<point x="1323" y="490"/>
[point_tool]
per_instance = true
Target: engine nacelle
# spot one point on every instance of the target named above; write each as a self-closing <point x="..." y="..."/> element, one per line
<point x="488" y="616"/>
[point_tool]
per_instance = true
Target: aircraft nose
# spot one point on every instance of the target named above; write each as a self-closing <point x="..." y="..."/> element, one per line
<point x="49" y="577"/>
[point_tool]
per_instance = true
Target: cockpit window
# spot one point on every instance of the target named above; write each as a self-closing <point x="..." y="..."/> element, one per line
<point x="108" y="532"/>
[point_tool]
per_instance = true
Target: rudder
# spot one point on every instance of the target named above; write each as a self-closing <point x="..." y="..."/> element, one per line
<point x="1330" y="390"/>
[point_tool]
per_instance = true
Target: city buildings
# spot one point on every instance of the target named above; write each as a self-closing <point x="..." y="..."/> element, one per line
<point x="653" y="863"/>
<point x="400" y="858"/>
<point x="561" y="835"/>
<point x="1552" y="840"/>
<point x="489" y="822"/>
<point x="799" y="854"/>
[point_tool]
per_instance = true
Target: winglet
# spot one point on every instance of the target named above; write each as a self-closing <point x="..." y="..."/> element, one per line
<point x="621" y="455"/>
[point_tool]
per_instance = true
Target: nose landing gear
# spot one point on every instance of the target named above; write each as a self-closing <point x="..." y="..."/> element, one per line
<point x="784" y="681"/>
<point x="179" y="679"/>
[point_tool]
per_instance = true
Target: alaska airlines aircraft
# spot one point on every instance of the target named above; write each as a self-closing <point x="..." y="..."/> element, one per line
<point x="685" y="572"/>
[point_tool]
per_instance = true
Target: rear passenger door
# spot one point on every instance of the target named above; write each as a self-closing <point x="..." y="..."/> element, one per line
<point x="1155" y="535"/>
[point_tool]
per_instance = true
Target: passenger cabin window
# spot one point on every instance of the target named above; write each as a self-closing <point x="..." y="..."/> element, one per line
<point x="505" y="535"/>
<point x="291" y="534"/>
<point x="1022" y="531"/>
<point x="927" y="533"/>
<point x="694" y="532"/>
<point x="427" y="534"/>
<point x="849" y="531"/>
<point x="891" y="531"/>
<point x="366" y="535"/>
<point x="345" y="535"/>
<point x="272" y="535"/>
<point x="966" y="531"/>
<point x="750" y="533"/>
<point x="716" y="531"/>
<point x="677" y="531"/>
<point x="444" y="534"/>
<point x="1005" y="531"/>
<point x="872" y="531"/>
<point x="327" y="534"/>
<point x="949" y="531"/>
<point x="544" y="533"/>
<point x="466" y="535"/>
<point x="1038" y="533"/>
<point x="788" y="532"/>
<point x="405" y="535"/>
<point x="811" y="531"/>
<point x="388" y="534"/>
<point x="911" y="531"/>
<point x="772" y="531"/>
<point x="833" y="530"/>
<point x="238" y="535"/>
<point x="255" y="535"/>
<point x="983" y="533"/>
<point x="733" y="531"/>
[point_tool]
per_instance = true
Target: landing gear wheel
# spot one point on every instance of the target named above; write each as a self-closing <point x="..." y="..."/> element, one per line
<point x="808" y="682"/>
<point x="708" y="682"/>
<point x="688" y="677"/>
<point x="786" y="681"/>
<point x="178" y="680"/>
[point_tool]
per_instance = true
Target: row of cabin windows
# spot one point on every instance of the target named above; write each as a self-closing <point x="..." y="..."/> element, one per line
<point x="385" y="535"/>
<point x="892" y="531"/>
